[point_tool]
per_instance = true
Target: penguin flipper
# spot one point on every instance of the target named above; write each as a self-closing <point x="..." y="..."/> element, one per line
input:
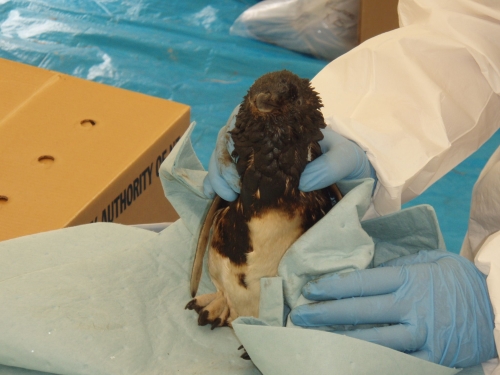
<point x="203" y="239"/>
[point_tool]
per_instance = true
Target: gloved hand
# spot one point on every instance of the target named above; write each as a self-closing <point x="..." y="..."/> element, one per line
<point x="436" y="303"/>
<point x="342" y="159"/>
<point x="223" y="177"/>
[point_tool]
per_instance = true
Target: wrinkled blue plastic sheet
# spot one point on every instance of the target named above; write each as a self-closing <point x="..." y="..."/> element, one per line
<point x="177" y="50"/>
<point x="182" y="50"/>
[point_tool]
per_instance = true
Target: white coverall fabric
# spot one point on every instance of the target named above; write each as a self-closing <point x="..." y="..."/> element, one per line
<point x="482" y="242"/>
<point x="421" y="99"/>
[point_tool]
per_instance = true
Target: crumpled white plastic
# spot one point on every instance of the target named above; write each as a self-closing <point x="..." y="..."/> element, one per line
<point x="322" y="28"/>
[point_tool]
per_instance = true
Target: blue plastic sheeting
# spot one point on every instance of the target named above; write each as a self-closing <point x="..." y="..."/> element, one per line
<point x="182" y="51"/>
<point x="177" y="50"/>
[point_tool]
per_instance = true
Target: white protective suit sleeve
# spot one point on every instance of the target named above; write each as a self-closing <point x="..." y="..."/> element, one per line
<point x="482" y="242"/>
<point x="419" y="99"/>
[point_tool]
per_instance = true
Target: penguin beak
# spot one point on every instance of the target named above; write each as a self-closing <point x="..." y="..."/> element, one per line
<point x="264" y="102"/>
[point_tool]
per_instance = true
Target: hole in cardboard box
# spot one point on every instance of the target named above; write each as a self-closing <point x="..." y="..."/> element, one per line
<point x="46" y="159"/>
<point x="3" y="199"/>
<point x="87" y="122"/>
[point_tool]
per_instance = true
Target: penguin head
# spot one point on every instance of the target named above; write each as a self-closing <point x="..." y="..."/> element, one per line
<point x="281" y="92"/>
<point x="281" y="104"/>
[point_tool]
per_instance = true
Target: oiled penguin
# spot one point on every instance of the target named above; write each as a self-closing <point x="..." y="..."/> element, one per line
<point x="276" y="134"/>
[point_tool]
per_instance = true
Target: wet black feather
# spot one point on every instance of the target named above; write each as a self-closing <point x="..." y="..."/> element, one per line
<point x="276" y="134"/>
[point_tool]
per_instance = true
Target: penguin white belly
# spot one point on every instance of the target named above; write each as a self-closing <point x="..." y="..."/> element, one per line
<point x="271" y="234"/>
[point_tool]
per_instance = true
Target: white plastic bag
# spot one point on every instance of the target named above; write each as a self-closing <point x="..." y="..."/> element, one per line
<point x="323" y="28"/>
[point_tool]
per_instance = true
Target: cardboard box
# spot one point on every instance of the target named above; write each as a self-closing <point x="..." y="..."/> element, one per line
<point x="74" y="152"/>
<point x="377" y="17"/>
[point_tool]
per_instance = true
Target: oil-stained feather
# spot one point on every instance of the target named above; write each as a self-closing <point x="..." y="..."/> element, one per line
<point x="203" y="238"/>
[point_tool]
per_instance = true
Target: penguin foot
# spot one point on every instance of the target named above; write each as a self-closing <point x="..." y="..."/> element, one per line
<point x="211" y="308"/>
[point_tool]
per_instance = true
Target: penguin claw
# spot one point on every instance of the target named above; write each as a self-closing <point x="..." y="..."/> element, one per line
<point x="245" y="354"/>
<point x="190" y="305"/>
<point x="203" y="318"/>
<point x="216" y="323"/>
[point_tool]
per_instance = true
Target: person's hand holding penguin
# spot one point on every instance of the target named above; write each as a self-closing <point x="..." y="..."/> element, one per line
<point x="342" y="159"/>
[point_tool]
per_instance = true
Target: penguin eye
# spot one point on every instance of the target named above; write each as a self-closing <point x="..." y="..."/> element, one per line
<point x="299" y="101"/>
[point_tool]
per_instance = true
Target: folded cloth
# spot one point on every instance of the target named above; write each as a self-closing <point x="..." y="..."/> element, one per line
<point x="109" y="299"/>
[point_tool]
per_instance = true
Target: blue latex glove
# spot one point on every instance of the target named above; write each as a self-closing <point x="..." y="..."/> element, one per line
<point x="223" y="178"/>
<point x="436" y="302"/>
<point x="342" y="159"/>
